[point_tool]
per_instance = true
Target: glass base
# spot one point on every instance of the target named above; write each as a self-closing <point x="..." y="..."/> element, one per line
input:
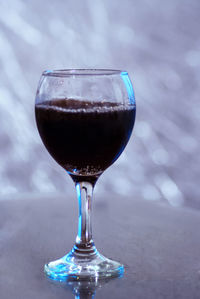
<point x="81" y="266"/>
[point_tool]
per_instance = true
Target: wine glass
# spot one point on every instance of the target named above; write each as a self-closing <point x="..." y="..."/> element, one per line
<point x="85" y="118"/>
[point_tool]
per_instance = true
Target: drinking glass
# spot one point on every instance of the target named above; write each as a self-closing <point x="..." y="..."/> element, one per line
<point x="85" y="118"/>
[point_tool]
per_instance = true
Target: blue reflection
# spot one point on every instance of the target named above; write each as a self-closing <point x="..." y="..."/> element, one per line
<point x="78" y="190"/>
<point x="129" y="87"/>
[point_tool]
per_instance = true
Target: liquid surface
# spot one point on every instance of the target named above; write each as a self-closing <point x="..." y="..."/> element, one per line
<point x="84" y="137"/>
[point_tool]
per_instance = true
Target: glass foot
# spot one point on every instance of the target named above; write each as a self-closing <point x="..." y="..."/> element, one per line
<point x="79" y="266"/>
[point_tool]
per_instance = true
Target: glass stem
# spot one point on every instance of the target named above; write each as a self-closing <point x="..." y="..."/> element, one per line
<point x="84" y="243"/>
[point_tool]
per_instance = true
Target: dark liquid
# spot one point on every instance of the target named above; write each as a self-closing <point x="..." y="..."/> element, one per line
<point x="84" y="137"/>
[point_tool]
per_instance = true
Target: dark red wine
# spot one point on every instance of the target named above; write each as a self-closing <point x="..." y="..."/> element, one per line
<point x="84" y="137"/>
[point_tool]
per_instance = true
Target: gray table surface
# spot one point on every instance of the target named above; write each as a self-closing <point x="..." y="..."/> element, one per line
<point x="158" y="244"/>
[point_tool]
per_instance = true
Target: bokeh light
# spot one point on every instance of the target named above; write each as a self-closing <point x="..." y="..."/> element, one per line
<point x="159" y="45"/>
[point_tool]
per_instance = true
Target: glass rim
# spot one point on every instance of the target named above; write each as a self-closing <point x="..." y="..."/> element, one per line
<point x="83" y="72"/>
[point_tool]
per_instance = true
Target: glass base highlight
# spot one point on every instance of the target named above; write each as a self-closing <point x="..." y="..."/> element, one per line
<point x="79" y="266"/>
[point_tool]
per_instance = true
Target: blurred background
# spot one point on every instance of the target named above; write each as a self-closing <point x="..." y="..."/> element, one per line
<point x="157" y="43"/>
